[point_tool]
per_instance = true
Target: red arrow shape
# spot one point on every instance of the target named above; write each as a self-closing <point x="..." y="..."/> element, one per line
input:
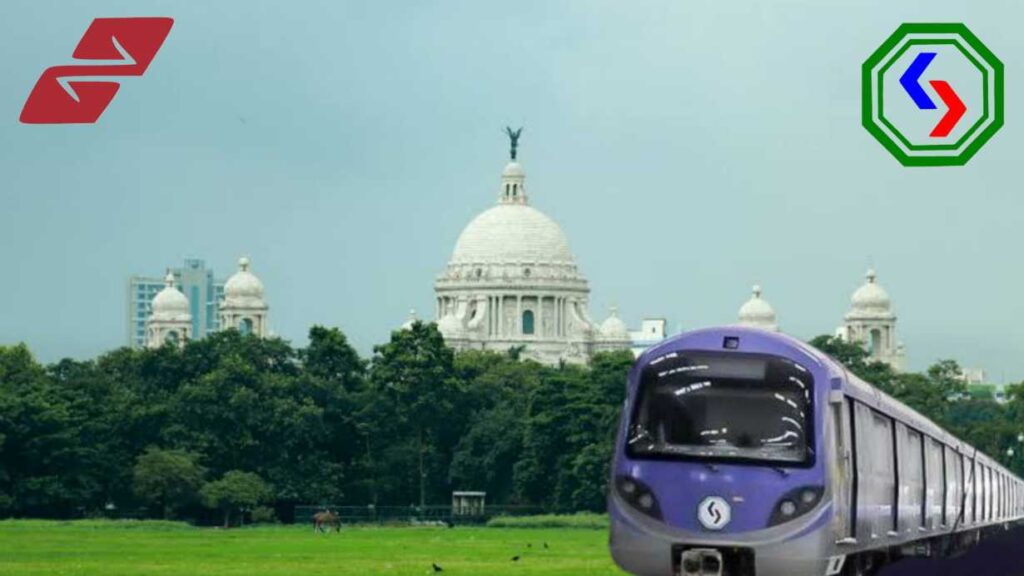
<point x="953" y="115"/>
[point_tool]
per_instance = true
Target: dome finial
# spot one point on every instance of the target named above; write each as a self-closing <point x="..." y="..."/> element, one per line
<point x="757" y="290"/>
<point x="243" y="263"/>
<point x="169" y="279"/>
<point x="513" y="136"/>
<point x="871" y="276"/>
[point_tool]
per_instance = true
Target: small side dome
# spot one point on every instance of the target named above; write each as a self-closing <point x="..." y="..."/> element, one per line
<point x="170" y="303"/>
<point x="758" y="313"/>
<point x="407" y="325"/>
<point x="513" y="170"/>
<point x="871" y="297"/>
<point x="243" y="287"/>
<point x="613" y="328"/>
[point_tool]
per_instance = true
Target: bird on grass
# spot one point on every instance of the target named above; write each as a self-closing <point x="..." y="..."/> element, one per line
<point x="437" y="568"/>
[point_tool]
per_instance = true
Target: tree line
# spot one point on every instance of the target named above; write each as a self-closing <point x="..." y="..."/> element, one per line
<point x="234" y="423"/>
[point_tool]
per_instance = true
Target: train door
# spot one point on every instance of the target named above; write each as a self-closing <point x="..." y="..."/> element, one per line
<point x="999" y="496"/>
<point x="844" y="472"/>
<point x="875" y="495"/>
<point x="982" y="493"/>
<point x="911" y="479"/>
<point x="990" y="492"/>
<point x="971" y="472"/>
<point x="954" y="486"/>
<point x="935" y="484"/>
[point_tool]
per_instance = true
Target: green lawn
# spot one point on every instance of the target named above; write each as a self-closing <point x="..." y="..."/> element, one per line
<point x="111" y="548"/>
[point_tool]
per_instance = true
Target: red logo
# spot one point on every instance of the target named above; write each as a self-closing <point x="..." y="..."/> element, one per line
<point x="79" y="93"/>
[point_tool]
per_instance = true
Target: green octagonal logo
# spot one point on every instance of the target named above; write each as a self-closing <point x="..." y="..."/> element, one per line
<point x="932" y="94"/>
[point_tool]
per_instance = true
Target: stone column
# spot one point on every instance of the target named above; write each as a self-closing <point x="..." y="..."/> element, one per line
<point x="519" y="315"/>
<point x="538" y="321"/>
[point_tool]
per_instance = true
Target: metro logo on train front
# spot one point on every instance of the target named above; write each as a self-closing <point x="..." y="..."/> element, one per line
<point x="932" y="94"/>
<point x="714" y="513"/>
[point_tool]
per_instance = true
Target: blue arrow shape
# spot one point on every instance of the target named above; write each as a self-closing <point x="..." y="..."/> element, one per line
<point x="911" y="80"/>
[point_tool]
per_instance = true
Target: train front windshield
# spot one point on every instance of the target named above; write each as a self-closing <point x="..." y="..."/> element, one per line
<point x="724" y="406"/>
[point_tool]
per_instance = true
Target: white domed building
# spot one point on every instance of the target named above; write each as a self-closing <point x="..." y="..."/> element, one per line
<point x="170" y="321"/>
<point x="758" y="313"/>
<point x="512" y="281"/>
<point x="243" y="307"/>
<point x="872" y="322"/>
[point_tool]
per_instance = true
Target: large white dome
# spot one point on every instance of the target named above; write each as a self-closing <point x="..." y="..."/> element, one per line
<point x="509" y="233"/>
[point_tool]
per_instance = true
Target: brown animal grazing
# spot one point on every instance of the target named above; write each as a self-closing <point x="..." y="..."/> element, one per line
<point x="324" y="521"/>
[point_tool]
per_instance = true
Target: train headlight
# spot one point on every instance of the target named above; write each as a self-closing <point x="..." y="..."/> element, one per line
<point x="628" y="487"/>
<point x="638" y="496"/>
<point x="796" y="503"/>
<point x="788" y="508"/>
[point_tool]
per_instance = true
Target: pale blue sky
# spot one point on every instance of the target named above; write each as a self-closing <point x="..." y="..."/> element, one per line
<point x="689" y="149"/>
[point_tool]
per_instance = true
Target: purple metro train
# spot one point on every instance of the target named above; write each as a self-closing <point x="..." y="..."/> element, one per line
<point x="748" y="453"/>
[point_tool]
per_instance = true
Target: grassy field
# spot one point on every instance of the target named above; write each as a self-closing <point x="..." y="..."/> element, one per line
<point x="112" y="548"/>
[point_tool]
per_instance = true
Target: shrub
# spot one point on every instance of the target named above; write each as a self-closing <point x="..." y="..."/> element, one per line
<point x="263" y="515"/>
<point x="584" y="520"/>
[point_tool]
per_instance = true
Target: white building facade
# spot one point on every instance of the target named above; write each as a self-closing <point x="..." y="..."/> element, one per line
<point x="243" y="308"/>
<point x="512" y="281"/>
<point x="652" y="331"/>
<point x="872" y="323"/>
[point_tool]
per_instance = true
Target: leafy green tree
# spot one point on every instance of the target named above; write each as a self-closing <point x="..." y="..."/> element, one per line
<point x="330" y="357"/>
<point x="167" y="479"/>
<point x="53" y="457"/>
<point x="414" y="409"/>
<point x="236" y="491"/>
<point x="857" y="360"/>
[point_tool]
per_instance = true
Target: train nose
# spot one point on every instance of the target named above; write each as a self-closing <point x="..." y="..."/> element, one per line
<point x="701" y="562"/>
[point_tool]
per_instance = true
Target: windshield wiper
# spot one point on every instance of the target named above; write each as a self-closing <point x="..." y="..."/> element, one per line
<point x="639" y="433"/>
